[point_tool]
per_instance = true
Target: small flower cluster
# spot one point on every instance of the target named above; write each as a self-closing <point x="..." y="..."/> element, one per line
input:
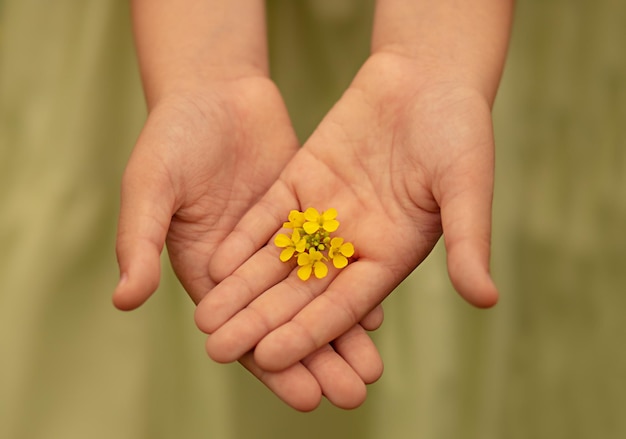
<point x="311" y="244"/>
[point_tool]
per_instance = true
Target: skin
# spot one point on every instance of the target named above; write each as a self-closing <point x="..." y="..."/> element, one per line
<point x="216" y="138"/>
<point x="405" y="156"/>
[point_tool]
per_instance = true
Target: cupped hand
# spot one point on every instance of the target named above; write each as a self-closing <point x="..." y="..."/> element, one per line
<point x="404" y="156"/>
<point x="201" y="161"/>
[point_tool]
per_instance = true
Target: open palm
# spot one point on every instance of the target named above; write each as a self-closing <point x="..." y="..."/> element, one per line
<point x="201" y="161"/>
<point x="402" y="161"/>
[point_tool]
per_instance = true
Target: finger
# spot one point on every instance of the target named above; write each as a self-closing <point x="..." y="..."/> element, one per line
<point x="339" y="382"/>
<point x="358" y="350"/>
<point x="271" y="309"/>
<point x="356" y="290"/>
<point x="253" y="231"/>
<point x="466" y="221"/>
<point x="296" y="385"/>
<point x="261" y="272"/>
<point x="145" y="213"/>
<point x="374" y="319"/>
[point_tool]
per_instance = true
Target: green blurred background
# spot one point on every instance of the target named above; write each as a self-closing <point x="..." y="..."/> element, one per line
<point x="548" y="362"/>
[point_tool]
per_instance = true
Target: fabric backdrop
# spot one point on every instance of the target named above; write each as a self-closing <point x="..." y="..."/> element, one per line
<point x="548" y="362"/>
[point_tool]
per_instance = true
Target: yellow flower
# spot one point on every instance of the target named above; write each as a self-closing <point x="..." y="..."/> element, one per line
<point x="339" y="252"/>
<point x="296" y="219"/>
<point x="313" y="261"/>
<point x="311" y="244"/>
<point x="314" y="220"/>
<point x="289" y="245"/>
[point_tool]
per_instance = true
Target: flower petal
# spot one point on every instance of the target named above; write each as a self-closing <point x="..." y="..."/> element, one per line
<point x="336" y="241"/>
<point x="311" y="214"/>
<point x="282" y="240"/>
<point x="304" y="259"/>
<point x="331" y="225"/>
<point x="304" y="272"/>
<point x="315" y="255"/>
<point x="340" y="261"/>
<point x="296" y="218"/>
<point x="287" y="253"/>
<point x="301" y="246"/>
<point x="347" y="249"/>
<point x="321" y="270"/>
<point x="311" y="227"/>
<point x="330" y="214"/>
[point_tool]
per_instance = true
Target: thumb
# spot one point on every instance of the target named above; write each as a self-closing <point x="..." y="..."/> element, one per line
<point x="466" y="221"/>
<point x="145" y="213"/>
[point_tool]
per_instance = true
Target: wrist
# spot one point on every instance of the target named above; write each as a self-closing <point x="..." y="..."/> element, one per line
<point x="463" y="43"/>
<point x="184" y="45"/>
<point x="428" y="70"/>
<point x="196" y="80"/>
<point x="406" y="76"/>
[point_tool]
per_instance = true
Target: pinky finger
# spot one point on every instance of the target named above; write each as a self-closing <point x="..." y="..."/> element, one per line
<point x="374" y="319"/>
<point x="359" y="351"/>
<point x="295" y="386"/>
<point x="340" y="383"/>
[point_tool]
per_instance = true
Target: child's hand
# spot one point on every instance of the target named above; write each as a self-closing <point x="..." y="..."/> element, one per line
<point x="402" y="160"/>
<point x="201" y="161"/>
